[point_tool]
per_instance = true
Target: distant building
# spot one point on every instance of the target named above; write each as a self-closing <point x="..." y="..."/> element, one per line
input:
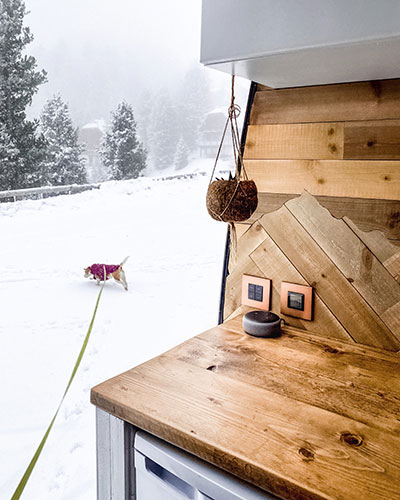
<point x="91" y="135"/>
<point x="211" y="133"/>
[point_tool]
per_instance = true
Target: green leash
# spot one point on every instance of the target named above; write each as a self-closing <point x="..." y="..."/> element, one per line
<point x="25" y="478"/>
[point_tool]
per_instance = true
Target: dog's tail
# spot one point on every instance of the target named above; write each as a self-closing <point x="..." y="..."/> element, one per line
<point x="123" y="262"/>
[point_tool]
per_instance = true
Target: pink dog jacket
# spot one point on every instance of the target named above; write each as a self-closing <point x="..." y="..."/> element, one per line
<point x="98" y="270"/>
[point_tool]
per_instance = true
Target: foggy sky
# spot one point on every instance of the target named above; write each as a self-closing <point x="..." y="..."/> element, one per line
<point x="98" y="52"/>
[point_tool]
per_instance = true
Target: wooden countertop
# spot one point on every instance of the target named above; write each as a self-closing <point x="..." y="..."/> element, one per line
<point x="299" y="416"/>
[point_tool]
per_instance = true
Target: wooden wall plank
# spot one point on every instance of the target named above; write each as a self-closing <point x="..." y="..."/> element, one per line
<point x="250" y="240"/>
<point x="253" y="237"/>
<point x="233" y="285"/>
<point x="269" y="202"/>
<point x="326" y="141"/>
<point x="351" y="256"/>
<point x="392" y="317"/>
<point x="368" y="214"/>
<point x="328" y="103"/>
<point x="372" y="140"/>
<point x="382" y="248"/>
<point x="340" y="178"/>
<point x="330" y="284"/>
<point x="295" y="141"/>
<point x="241" y="228"/>
<point x="276" y="266"/>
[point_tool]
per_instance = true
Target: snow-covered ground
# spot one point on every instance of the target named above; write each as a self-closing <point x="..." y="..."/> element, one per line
<point x="174" y="273"/>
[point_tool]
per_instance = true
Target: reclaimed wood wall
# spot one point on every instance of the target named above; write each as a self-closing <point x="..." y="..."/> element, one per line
<point x="326" y="160"/>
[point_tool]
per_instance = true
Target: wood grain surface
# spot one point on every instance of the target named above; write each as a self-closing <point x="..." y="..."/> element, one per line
<point x="299" y="416"/>
<point x="360" y="320"/>
<point x="381" y="247"/>
<point x="326" y="141"/>
<point x="355" y="274"/>
<point x="339" y="178"/>
<point x="328" y="103"/>
<point x="339" y="142"/>
<point x="352" y="257"/>
<point x="295" y="141"/>
<point x="366" y="214"/>
<point x="372" y="140"/>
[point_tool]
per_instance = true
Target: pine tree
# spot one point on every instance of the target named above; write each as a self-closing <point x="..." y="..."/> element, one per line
<point x="195" y="103"/>
<point x="8" y="155"/>
<point x="181" y="155"/>
<point x="19" y="81"/>
<point x="122" y="153"/>
<point x="63" y="164"/>
<point x="163" y="132"/>
<point x="144" y="114"/>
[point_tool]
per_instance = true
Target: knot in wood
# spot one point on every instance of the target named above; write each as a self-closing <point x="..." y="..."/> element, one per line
<point x="351" y="439"/>
<point x="212" y="368"/>
<point x="306" y="455"/>
<point x="367" y="259"/>
<point x="331" y="350"/>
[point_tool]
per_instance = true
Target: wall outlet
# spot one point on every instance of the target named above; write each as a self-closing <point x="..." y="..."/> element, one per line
<point x="296" y="300"/>
<point x="256" y="292"/>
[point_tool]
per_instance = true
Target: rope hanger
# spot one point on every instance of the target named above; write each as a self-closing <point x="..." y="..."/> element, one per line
<point x="240" y="171"/>
<point x="233" y="114"/>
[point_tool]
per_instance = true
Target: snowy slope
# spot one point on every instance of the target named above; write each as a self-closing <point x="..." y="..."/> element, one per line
<point x="174" y="274"/>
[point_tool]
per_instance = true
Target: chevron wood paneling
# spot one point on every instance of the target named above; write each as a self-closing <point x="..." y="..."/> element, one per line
<point x="357" y="298"/>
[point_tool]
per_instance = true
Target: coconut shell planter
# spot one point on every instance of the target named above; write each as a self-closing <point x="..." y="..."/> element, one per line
<point x="232" y="201"/>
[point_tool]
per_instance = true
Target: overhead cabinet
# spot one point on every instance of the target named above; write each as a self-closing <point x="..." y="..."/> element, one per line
<point x="299" y="43"/>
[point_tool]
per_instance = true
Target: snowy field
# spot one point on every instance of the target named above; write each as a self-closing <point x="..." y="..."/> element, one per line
<point x="174" y="272"/>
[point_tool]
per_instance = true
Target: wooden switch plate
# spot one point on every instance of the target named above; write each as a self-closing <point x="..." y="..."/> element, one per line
<point x="296" y="300"/>
<point x="256" y="292"/>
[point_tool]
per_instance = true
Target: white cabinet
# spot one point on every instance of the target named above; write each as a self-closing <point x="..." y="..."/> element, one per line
<point x="164" y="472"/>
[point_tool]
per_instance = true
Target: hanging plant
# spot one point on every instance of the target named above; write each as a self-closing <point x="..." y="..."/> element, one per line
<point x="232" y="200"/>
<point x="235" y="199"/>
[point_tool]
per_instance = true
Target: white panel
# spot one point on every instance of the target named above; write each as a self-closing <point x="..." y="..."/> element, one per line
<point x="103" y="455"/>
<point x="115" y="458"/>
<point x="117" y="455"/>
<point x="295" y="43"/>
<point x="174" y="474"/>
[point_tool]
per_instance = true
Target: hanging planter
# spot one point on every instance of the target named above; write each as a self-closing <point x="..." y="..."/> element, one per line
<point x="232" y="200"/>
<point x="235" y="199"/>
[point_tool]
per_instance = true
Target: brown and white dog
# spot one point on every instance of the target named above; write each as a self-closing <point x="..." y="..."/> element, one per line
<point x="97" y="272"/>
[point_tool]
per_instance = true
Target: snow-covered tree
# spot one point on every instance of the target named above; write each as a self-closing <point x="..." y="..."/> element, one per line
<point x="144" y="113"/>
<point x="181" y="155"/>
<point x="64" y="163"/>
<point x="19" y="81"/>
<point x="163" y="134"/>
<point x="122" y="153"/>
<point x="194" y="104"/>
<point x="8" y="156"/>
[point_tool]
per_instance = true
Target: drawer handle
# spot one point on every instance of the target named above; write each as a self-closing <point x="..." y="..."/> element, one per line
<point x="170" y="479"/>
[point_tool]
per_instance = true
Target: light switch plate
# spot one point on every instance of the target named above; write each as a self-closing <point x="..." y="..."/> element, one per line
<point x="297" y="300"/>
<point x="256" y="292"/>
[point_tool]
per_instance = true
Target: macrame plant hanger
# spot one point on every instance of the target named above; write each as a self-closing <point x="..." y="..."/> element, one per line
<point x="235" y="199"/>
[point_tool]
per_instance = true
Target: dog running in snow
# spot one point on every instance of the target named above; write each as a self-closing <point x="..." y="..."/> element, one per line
<point x="96" y="272"/>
